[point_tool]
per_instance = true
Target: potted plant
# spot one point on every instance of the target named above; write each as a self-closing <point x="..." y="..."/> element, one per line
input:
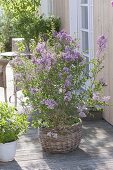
<point x="12" y="125"/>
<point x="53" y="82"/>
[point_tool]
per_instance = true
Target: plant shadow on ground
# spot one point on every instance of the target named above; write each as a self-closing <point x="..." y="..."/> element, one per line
<point x="13" y="165"/>
<point x="95" y="151"/>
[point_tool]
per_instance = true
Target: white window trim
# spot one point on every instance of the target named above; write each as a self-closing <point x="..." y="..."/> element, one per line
<point x="47" y="7"/>
<point x="90" y="31"/>
<point x="74" y="16"/>
<point x="50" y="7"/>
<point x="44" y="7"/>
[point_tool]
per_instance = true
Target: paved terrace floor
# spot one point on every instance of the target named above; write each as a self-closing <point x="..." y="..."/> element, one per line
<point x="95" y="151"/>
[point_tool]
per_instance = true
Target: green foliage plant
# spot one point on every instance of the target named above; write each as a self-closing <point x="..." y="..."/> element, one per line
<point x="12" y="124"/>
<point x="6" y="31"/>
<point x="26" y="20"/>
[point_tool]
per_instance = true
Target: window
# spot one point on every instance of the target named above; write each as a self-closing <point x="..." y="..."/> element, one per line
<point x="47" y="7"/>
<point x="50" y="7"/>
<point x="81" y="24"/>
<point x="86" y="28"/>
<point x="84" y="1"/>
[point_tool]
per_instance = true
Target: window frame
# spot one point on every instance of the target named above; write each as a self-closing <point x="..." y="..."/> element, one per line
<point x="47" y="7"/>
<point x="75" y="24"/>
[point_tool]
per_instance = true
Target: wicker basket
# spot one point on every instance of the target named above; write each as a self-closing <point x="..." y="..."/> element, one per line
<point x="61" y="140"/>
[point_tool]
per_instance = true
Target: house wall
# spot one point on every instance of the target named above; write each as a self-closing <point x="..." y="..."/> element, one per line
<point x="103" y="24"/>
<point x="61" y="9"/>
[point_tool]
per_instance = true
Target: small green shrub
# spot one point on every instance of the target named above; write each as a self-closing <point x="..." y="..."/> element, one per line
<point x="22" y="20"/>
<point x="12" y="124"/>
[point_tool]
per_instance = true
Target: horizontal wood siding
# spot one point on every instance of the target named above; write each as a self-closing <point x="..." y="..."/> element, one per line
<point x="61" y="9"/>
<point x="103" y="24"/>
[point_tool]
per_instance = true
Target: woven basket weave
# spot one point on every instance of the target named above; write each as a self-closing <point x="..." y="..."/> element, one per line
<point x="61" y="140"/>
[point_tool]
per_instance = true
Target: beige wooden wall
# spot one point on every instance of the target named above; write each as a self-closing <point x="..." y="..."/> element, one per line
<point x="103" y="24"/>
<point x="61" y="9"/>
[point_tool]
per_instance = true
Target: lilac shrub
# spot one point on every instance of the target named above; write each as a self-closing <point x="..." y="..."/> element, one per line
<point x="95" y="98"/>
<point x="55" y="78"/>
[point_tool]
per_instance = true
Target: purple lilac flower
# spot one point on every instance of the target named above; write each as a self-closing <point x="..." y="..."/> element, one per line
<point x="106" y="98"/>
<point x="60" y="75"/>
<point x="55" y="34"/>
<point x="96" y="96"/>
<point x="67" y="56"/>
<point x="81" y="110"/>
<point x="82" y="114"/>
<point x="50" y="103"/>
<point x="67" y="49"/>
<point x="71" y="56"/>
<point x="63" y="36"/>
<point x="34" y="60"/>
<point x="41" y="47"/>
<point x="76" y="55"/>
<point x="45" y="61"/>
<point x="66" y="70"/>
<point x="102" y="43"/>
<point x="78" y="46"/>
<point x="33" y="90"/>
<point x="70" y="77"/>
<point x="67" y="83"/>
<point x="68" y="96"/>
<point x="16" y="61"/>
